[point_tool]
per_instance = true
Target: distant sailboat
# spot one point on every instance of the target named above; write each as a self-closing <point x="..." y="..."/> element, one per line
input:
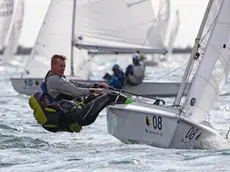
<point x="6" y="12"/>
<point x="14" y="34"/>
<point x="169" y="25"/>
<point x="183" y="124"/>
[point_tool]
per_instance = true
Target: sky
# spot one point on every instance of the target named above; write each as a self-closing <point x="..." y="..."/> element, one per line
<point x="191" y="14"/>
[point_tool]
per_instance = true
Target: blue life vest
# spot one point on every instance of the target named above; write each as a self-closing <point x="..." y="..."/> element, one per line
<point x="49" y="97"/>
<point x="121" y="77"/>
<point x="114" y="82"/>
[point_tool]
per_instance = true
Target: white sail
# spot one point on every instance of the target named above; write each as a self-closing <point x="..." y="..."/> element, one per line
<point x="14" y="33"/>
<point x="214" y="65"/>
<point x="164" y="16"/>
<point x="6" y="11"/>
<point x="96" y="24"/>
<point x="54" y="37"/>
<point x="173" y="32"/>
<point x="115" y="23"/>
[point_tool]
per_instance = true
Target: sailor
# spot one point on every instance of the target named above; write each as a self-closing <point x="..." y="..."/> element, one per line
<point x="118" y="72"/>
<point x="66" y="105"/>
<point x="112" y="80"/>
<point x="58" y="86"/>
<point x="136" y="71"/>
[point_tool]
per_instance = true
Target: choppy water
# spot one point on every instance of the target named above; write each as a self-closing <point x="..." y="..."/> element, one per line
<point x="25" y="146"/>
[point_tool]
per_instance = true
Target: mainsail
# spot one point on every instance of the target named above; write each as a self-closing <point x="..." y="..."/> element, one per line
<point x="6" y="12"/>
<point x="214" y="65"/>
<point x="14" y="33"/>
<point x="106" y="25"/>
<point x="120" y="23"/>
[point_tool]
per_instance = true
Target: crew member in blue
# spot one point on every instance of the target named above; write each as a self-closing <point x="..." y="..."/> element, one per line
<point x="118" y="72"/>
<point x="113" y="81"/>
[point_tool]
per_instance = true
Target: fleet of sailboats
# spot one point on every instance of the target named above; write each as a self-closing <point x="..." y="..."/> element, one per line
<point x="93" y="25"/>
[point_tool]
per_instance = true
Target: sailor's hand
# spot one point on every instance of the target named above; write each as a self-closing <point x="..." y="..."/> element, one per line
<point x="97" y="91"/>
<point x="103" y="85"/>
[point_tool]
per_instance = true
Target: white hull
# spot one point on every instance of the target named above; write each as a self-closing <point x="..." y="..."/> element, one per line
<point x="158" y="126"/>
<point x="29" y="86"/>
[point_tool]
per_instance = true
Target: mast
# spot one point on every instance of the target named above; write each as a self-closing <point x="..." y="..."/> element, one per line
<point x="72" y="40"/>
<point x="192" y="56"/>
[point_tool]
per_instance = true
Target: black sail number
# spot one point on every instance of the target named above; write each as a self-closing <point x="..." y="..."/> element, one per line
<point x="28" y="82"/>
<point x="157" y="122"/>
<point x="191" y="133"/>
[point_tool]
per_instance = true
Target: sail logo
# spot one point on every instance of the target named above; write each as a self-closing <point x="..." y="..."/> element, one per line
<point x="147" y="121"/>
<point x="225" y="46"/>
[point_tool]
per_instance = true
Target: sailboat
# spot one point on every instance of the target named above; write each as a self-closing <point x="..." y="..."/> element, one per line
<point x="14" y="34"/>
<point x="6" y="12"/>
<point x="183" y="124"/>
<point x="94" y="25"/>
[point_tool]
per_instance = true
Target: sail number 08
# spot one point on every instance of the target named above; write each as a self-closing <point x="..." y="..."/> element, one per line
<point x="157" y="122"/>
<point x="191" y="133"/>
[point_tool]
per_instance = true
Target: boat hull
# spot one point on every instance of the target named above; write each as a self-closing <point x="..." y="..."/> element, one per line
<point x="29" y="86"/>
<point x="157" y="126"/>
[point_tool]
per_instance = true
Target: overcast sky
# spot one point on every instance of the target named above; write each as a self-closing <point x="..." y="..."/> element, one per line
<point x="191" y="13"/>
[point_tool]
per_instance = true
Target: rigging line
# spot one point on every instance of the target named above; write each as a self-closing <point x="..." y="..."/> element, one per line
<point x="134" y="94"/>
<point x="153" y="23"/>
<point x="169" y="72"/>
<point x="202" y="39"/>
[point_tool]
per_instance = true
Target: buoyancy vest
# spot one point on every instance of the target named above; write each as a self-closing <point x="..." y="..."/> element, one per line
<point x="137" y="75"/>
<point x="49" y="117"/>
<point x="45" y="90"/>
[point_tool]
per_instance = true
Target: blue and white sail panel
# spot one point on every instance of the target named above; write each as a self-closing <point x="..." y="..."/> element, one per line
<point x="214" y="65"/>
<point x="115" y="23"/>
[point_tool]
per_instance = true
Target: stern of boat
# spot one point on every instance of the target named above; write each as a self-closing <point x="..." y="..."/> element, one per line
<point x="27" y="86"/>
